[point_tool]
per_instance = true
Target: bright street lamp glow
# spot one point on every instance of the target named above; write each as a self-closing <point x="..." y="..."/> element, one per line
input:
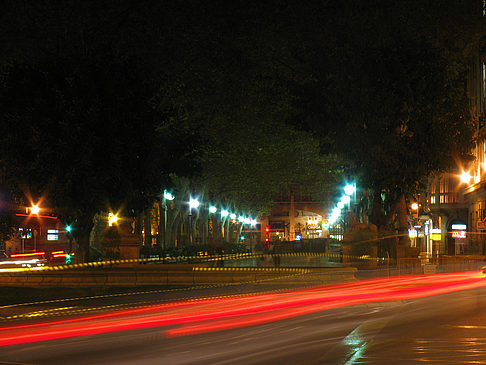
<point x="241" y="218"/>
<point x="465" y="177"/>
<point x="112" y="219"/>
<point x="233" y="216"/>
<point x="168" y="195"/>
<point x="35" y="209"/>
<point x="212" y="209"/>
<point x="414" y="206"/>
<point x="340" y="205"/>
<point x="193" y="203"/>
<point x="253" y="222"/>
<point x="349" y="189"/>
<point x="336" y="211"/>
<point x="224" y="213"/>
<point x="345" y="199"/>
<point x="247" y="220"/>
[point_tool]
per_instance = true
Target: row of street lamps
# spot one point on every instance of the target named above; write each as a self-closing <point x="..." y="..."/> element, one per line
<point x="195" y="204"/>
<point x="349" y="190"/>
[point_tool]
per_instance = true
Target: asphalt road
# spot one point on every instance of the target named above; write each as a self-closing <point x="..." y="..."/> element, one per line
<point x="448" y="328"/>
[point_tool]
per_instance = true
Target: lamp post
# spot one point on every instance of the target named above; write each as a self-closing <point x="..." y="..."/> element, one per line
<point x="34" y="209"/>
<point x="212" y="209"/>
<point x="224" y="216"/>
<point x="350" y="191"/>
<point x="170" y="197"/>
<point x="415" y="207"/>
<point x="193" y="204"/>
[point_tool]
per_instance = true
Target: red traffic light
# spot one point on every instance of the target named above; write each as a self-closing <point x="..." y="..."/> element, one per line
<point x="267" y="229"/>
<point x="266" y="239"/>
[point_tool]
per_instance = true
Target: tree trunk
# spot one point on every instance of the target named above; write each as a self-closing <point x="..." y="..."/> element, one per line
<point x="83" y="230"/>
<point x="377" y="214"/>
<point x="403" y="221"/>
<point x="147" y="227"/>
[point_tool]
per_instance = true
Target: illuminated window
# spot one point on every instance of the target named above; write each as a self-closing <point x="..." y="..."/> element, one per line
<point x="432" y="200"/>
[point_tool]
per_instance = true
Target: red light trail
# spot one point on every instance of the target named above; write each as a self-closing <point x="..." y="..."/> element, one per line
<point x="216" y="314"/>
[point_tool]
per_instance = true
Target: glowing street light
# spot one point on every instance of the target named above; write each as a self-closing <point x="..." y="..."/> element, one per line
<point x="349" y="189"/>
<point x="465" y="177"/>
<point x="212" y="209"/>
<point x="34" y="209"/>
<point x="224" y="213"/>
<point x="414" y="206"/>
<point x="193" y="203"/>
<point x="345" y="199"/>
<point x="168" y="195"/>
<point x="112" y="219"/>
<point x="340" y="205"/>
<point x="233" y="216"/>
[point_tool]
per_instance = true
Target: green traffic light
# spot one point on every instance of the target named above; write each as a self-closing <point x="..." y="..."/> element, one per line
<point x="68" y="228"/>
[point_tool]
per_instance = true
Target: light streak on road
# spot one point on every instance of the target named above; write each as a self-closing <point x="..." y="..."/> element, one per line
<point x="216" y="314"/>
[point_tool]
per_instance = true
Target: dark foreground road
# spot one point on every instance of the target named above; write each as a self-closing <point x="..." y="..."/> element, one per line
<point x="430" y="320"/>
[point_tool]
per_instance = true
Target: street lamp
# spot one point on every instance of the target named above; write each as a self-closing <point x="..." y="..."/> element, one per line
<point x="193" y="204"/>
<point x="213" y="209"/>
<point x="112" y="218"/>
<point x="345" y="199"/>
<point x="34" y="209"/>
<point x="415" y="207"/>
<point x="465" y="177"/>
<point x="167" y="196"/>
<point x="349" y="189"/>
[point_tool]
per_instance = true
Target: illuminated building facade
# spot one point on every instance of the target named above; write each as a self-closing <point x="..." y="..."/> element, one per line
<point x="457" y="200"/>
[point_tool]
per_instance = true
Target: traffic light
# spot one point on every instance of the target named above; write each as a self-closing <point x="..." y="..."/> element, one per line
<point x="68" y="228"/>
<point x="68" y="259"/>
<point x="266" y="239"/>
<point x="267" y="229"/>
<point x="242" y="238"/>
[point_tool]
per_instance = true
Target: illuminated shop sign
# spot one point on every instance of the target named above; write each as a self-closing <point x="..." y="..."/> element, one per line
<point x="459" y="234"/>
<point x="313" y="223"/>
<point x="25" y="233"/>
<point x="52" y="234"/>
<point x="412" y="233"/>
<point x="435" y="234"/>
<point x="459" y="227"/>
